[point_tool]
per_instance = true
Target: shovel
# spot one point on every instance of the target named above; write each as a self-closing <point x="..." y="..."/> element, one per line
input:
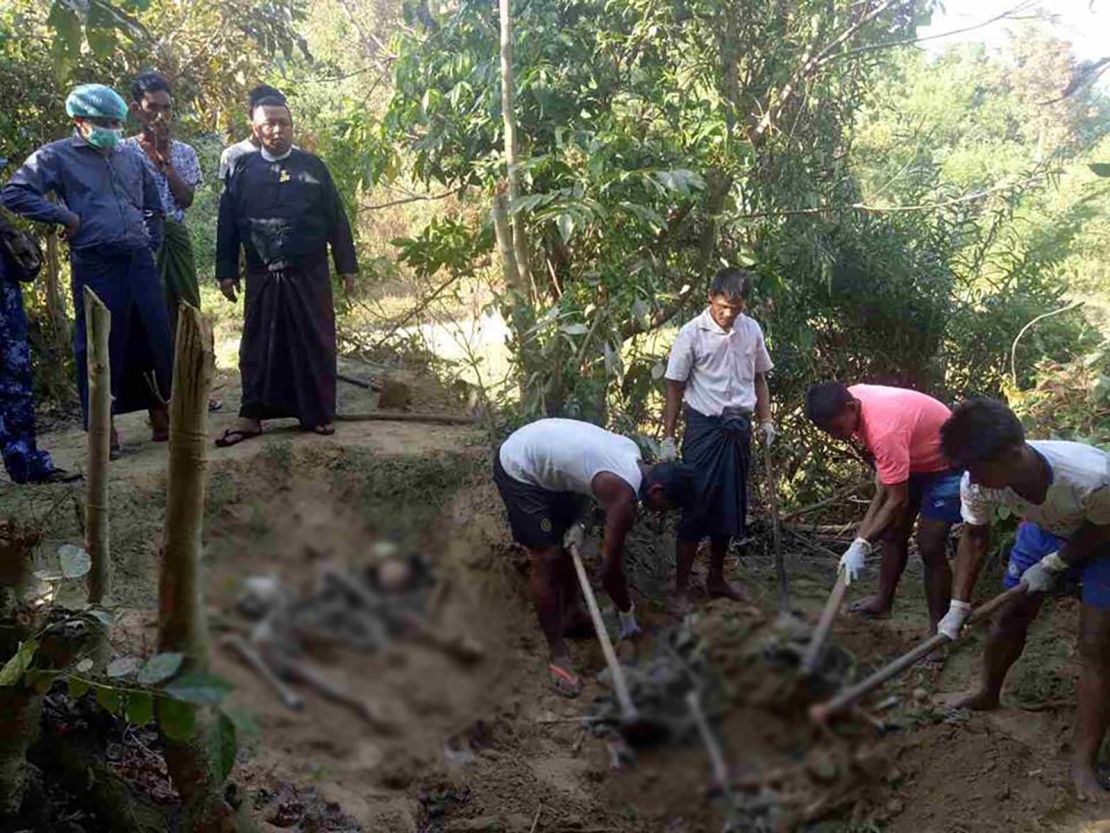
<point x="635" y="728"/>
<point x="821" y="712"/>
<point x="824" y="624"/>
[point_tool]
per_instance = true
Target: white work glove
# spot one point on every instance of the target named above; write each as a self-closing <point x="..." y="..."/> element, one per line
<point x="954" y="619"/>
<point x="854" y="559"/>
<point x="574" y="537"/>
<point x="768" y="432"/>
<point x="1041" y="577"/>
<point x="627" y="626"/>
<point x="668" y="451"/>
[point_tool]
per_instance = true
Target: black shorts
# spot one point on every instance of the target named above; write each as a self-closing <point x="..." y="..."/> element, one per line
<point x="538" y="518"/>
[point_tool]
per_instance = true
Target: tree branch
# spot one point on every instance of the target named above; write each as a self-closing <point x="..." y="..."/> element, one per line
<point x="413" y="198"/>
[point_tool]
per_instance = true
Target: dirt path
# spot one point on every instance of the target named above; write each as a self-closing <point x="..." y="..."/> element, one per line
<point x="488" y="746"/>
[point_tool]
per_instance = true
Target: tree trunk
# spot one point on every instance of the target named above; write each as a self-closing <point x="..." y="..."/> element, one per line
<point x="98" y="323"/>
<point x="54" y="303"/>
<point x="520" y="239"/>
<point x="193" y="765"/>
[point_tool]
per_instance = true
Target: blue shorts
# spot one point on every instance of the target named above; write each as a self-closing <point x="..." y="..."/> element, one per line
<point x="1033" y="544"/>
<point x="938" y="494"/>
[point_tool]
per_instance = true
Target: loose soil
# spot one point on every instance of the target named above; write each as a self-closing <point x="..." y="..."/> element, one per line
<point x="489" y="747"/>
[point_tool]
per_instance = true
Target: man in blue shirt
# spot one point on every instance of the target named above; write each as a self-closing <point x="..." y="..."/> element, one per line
<point x="112" y="214"/>
<point x="23" y="460"/>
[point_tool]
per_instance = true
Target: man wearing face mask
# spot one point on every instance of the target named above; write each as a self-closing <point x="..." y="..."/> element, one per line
<point x="282" y="208"/>
<point x="176" y="172"/>
<point x="109" y="205"/>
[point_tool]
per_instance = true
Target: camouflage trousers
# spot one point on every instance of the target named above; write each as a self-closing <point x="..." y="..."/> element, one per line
<point x="22" y="459"/>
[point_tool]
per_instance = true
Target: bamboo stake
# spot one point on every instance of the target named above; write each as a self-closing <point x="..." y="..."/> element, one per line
<point x="822" y="711"/>
<point x="98" y="324"/>
<point x="508" y="115"/>
<point x="181" y="621"/>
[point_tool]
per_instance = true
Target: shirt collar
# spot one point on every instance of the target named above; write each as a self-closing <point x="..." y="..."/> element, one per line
<point x="705" y="322"/>
<point x="269" y="157"/>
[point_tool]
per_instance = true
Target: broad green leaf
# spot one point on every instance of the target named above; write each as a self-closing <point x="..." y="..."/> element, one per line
<point x="102" y="616"/>
<point x="41" y="681"/>
<point x="177" y="718"/>
<point x="198" y="688"/>
<point x="575" y="329"/>
<point x="108" y="698"/>
<point x="78" y="687"/>
<point x="123" y="667"/>
<point x="18" y="663"/>
<point x="1100" y="168"/>
<point x="74" y="561"/>
<point x="243" y="720"/>
<point x="160" y="667"/>
<point x="228" y="745"/>
<point x="566" y="226"/>
<point x="140" y="708"/>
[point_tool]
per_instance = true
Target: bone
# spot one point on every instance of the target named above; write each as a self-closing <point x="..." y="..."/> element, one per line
<point x="254" y="660"/>
<point x="331" y="690"/>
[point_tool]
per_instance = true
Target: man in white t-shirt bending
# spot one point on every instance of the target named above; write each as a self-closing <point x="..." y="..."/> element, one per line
<point x="546" y="472"/>
<point x="1061" y="491"/>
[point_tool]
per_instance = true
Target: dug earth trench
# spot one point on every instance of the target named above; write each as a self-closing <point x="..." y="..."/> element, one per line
<point x="485" y="745"/>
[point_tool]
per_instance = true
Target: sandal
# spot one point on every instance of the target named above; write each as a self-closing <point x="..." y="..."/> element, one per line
<point x="322" y="430"/>
<point x="234" y="436"/>
<point x="564" y="682"/>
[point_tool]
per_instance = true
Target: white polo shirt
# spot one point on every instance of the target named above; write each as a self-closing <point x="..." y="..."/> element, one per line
<point x="1079" y="491"/>
<point x="565" y="455"/>
<point x="718" y="366"/>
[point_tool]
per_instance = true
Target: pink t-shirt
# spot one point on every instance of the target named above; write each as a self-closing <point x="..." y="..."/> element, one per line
<point x="901" y="427"/>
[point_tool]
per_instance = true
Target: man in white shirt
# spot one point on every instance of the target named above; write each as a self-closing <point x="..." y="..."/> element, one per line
<point x="546" y="473"/>
<point x="718" y="366"/>
<point x="1061" y="490"/>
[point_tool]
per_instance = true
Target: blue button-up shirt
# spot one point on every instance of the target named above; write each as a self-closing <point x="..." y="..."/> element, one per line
<point x="113" y="195"/>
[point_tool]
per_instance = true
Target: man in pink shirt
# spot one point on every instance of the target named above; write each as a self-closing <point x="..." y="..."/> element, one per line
<point x="900" y="429"/>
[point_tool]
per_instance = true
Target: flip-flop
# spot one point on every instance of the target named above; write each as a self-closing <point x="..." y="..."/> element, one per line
<point x="564" y="682"/>
<point x="234" y="436"/>
<point x="322" y="430"/>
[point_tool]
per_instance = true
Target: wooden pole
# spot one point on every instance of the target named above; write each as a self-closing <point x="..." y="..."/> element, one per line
<point x="98" y="324"/>
<point x="181" y="621"/>
<point x="773" y="502"/>
<point x="848" y="697"/>
<point x="824" y="624"/>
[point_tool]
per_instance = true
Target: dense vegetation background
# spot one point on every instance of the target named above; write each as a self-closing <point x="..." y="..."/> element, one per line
<point x="909" y="213"/>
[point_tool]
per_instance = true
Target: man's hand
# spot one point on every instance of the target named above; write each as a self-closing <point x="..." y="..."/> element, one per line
<point x="954" y="619"/>
<point x="72" y="225"/>
<point x="574" y="537"/>
<point x="668" y="451"/>
<point x="767" y="432"/>
<point x="854" y="559"/>
<point x="229" y="287"/>
<point x="1041" y="577"/>
<point x="348" y="284"/>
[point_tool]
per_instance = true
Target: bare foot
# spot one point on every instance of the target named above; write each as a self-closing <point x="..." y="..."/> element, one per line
<point x="872" y="607"/>
<point x="977" y="701"/>
<point x="1087" y="784"/>
<point x="563" y="679"/>
<point x="721" y="589"/>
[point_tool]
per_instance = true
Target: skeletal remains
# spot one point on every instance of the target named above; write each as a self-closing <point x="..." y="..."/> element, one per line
<point x="364" y="610"/>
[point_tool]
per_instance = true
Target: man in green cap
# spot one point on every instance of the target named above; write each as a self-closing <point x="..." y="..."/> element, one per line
<point x="112" y="213"/>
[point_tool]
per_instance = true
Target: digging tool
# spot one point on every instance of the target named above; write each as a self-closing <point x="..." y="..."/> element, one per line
<point x="773" y="502"/>
<point x="823" y="711"/>
<point x="709" y="740"/>
<point x="824" y="624"/>
<point x="358" y="383"/>
<point x="634" y="727"/>
<point x="254" y="659"/>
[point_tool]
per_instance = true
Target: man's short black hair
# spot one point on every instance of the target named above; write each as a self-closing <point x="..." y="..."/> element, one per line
<point x="264" y="91"/>
<point x="980" y="429"/>
<point x="732" y="283"/>
<point x="149" y="82"/>
<point x="679" y="481"/>
<point x="825" y="400"/>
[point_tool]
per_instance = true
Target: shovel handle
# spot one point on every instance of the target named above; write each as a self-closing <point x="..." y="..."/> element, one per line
<point x="824" y="624"/>
<point x="773" y="503"/>
<point x="850" y="695"/>
<point x="620" y="685"/>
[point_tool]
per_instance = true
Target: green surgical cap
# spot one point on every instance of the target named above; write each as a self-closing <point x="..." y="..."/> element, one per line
<point x="96" y="101"/>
